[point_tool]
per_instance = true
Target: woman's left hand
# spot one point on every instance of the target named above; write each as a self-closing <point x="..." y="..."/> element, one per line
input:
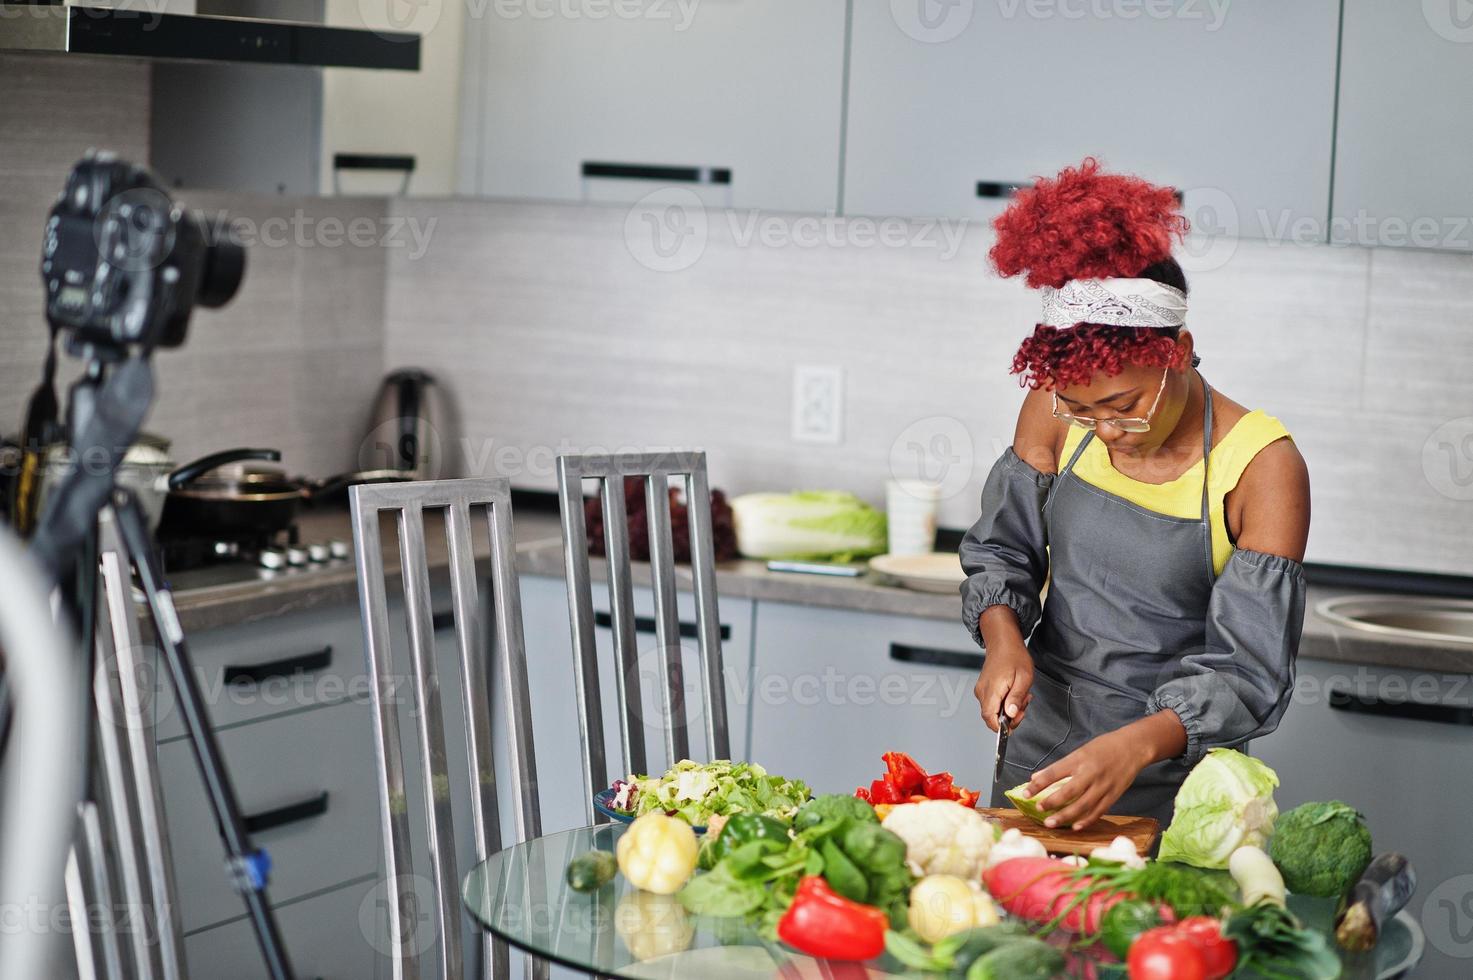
<point x="1103" y="769"/>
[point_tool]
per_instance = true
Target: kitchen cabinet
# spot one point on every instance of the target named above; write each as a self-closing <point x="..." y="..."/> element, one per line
<point x="1401" y="172"/>
<point x="406" y="117"/>
<point x="1413" y="779"/>
<point x="322" y="933"/>
<point x="1234" y="105"/>
<point x="747" y="91"/>
<point x="833" y="690"/>
<point x="555" y="716"/>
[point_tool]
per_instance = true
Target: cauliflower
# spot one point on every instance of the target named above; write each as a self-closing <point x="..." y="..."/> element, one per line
<point x="942" y="837"/>
<point x="1015" y="844"/>
<point x="1122" y="851"/>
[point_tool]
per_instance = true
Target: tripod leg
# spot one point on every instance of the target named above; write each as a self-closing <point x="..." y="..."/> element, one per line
<point x="249" y="868"/>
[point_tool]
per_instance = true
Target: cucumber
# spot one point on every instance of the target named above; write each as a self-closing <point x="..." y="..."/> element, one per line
<point x="1028" y="960"/>
<point x="590" y="872"/>
<point x="964" y="948"/>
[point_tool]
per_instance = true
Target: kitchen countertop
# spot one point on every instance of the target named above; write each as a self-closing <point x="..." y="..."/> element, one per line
<point x="539" y="553"/>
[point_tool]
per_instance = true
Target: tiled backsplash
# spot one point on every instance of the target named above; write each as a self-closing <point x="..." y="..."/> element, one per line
<point x="293" y="362"/>
<point x="553" y="335"/>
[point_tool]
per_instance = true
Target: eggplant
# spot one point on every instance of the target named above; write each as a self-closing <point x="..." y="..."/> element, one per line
<point x="1382" y="891"/>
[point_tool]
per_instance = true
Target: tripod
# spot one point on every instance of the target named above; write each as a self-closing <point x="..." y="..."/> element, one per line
<point x="120" y="535"/>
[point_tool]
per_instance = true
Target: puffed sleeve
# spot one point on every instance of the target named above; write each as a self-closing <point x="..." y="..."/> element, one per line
<point x="1005" y="554"/>
<point x="1237" y="686"/>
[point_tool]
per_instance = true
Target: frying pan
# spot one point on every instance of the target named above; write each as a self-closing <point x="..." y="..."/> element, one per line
<point x="211" y="497"/>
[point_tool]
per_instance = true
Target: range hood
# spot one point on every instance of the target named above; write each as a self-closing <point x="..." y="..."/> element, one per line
<point x="201" y="30"/>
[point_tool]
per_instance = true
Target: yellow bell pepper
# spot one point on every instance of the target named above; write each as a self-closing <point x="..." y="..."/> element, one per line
<point x="943" y="904"/>
<point x="658" y="853"/>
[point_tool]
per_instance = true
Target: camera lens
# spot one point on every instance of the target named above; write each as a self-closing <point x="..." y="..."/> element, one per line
<point x="224" y="267"/>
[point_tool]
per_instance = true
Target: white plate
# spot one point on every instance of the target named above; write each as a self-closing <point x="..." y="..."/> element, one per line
<point x="940" y="571"/>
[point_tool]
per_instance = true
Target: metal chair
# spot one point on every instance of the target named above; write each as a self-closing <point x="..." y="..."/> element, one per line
<point x="471" y="507"/>
<point x="121" y="857"/>
<point x="655" y="469"/>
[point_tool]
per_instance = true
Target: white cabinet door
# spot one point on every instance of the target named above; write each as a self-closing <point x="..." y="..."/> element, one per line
<point x="834" y="690"/>
<point x="396" y="113"/>
<point x="554" y="696"/>
<point x="1412" y="778"/>
<point x="1401" y="160"/>
<point x="752" y="87"/>
<point x="1232" y="103"/>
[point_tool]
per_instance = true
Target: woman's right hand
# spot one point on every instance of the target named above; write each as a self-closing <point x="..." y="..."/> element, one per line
<point x="1005" y="684"/>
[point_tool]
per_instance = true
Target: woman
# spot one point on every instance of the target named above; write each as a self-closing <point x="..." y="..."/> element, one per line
<point x="1167" y="520"/>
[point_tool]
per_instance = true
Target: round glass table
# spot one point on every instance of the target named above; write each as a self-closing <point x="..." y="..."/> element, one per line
<point x="519" y="894"/>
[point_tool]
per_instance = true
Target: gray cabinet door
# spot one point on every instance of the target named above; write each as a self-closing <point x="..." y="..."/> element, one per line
<point x="1402" y="144"/>
<point x="327" y="936"/>
<point x="305" y="781"/>
<point x="832" y="691"/>
<point x="753" y="86"/>
<point x="1233" y="103"/>
<point x="1412" y="779"/>
<point x="554" y="705"/>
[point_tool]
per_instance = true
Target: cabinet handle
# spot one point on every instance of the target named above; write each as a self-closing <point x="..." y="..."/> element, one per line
<point x="287" y="667"/>
<point x="373" y="161"/>
<point x="1342" y="699"/>
<point x="654" y="171"/>
<point x="935" y="658"/>
<point x="1002" y="188"/>
<point x="256" y="823"/>
<point x="645" y="624"/>
<point x="997" y="188"/>
<point x="391" y="162"/>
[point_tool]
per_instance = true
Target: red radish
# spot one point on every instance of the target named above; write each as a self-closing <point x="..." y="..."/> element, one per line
<point x="1040" y="889"/>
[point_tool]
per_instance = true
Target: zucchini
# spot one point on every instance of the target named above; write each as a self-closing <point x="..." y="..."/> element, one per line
<point x="590" y="872"/>
<point x="1028" y="960"/>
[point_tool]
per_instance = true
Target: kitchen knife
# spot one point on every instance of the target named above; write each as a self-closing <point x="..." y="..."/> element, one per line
<point x="1003" y="728"/>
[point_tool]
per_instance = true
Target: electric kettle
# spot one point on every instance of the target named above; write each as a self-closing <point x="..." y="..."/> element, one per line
<point x="407" y="431"/>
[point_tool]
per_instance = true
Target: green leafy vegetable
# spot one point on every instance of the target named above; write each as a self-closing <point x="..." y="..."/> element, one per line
<point x="1226" y="801"/>
<point x="698" y="791"/>
<point x="1321" y="848"/>
<point x="860" y="860"/>
<point x="808" y="524"/>
<point x="1273" y="944"/>
<point x="721" y="895"/>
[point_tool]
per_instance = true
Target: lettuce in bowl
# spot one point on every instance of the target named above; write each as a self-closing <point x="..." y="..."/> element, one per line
<point x="698" y="791"/>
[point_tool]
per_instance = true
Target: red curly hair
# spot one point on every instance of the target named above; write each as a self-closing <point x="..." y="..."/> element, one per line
<point x="1084" y="224"/>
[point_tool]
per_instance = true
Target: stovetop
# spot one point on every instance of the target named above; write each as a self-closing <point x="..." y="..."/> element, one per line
<point x="200" y="563"/>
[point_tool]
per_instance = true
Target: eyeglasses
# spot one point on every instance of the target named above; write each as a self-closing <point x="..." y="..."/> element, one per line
<point x="1124" y="425"/>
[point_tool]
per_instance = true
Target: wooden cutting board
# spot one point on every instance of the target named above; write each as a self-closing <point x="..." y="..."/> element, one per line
<point x="1141" y="830"/>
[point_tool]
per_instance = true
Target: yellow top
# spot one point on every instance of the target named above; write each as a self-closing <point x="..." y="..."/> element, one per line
<point x="1182" y="497"/>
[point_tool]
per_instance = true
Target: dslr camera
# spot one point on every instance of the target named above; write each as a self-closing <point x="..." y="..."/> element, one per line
<point x="123" y="265"/>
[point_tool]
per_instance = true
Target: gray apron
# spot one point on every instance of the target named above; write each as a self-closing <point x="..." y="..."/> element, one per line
<point x="1128" y="595"/>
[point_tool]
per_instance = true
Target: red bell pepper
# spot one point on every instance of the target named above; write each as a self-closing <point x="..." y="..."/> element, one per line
<point x="824" y="924"/>
<point x="907" y="776"/>
<point x="906" y="782"/>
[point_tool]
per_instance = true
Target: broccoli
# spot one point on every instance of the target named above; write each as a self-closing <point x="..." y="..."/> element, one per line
<point x="835" y="806"/>
<point x="1321" y="848"/>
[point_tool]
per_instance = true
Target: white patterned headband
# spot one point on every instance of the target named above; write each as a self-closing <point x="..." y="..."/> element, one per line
<point x="1115" y="302"/>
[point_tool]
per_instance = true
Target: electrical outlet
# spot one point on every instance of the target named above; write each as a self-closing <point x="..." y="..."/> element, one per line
<point x="818" y="403"/>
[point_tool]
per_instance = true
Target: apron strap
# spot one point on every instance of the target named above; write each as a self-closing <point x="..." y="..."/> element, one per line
<point x="1078" y="451"/>
<point x="1206" y="458"/>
